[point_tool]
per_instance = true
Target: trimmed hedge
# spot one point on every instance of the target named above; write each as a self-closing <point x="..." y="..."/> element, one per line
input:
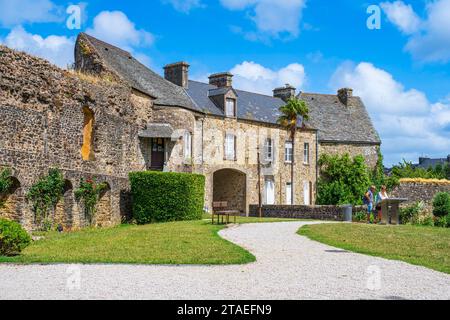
<point x="13" y="238"/>
<point x="166" y="196"/>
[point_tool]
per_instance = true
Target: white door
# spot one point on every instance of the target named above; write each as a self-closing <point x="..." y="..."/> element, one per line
<point x="288" y="193"/>
<point x="270" y="191"/>
<point x="306" y="193"/>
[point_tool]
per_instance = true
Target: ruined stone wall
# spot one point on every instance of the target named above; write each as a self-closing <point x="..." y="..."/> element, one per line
<point x="419" y="191"/>
<point x="41" y="126"/>
<point x="209" y="137"/>
<point x="369" y="152"/>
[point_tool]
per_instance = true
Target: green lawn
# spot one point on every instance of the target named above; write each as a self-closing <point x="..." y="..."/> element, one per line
<point x="188" y="242"/>
<point x="425" y="246"/>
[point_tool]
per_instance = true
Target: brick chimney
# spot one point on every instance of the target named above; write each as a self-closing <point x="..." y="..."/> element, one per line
<point x="344" y="94"/>
<point x="177" y="73"/>
<point x="285" y="93"/>
<point x="223" y="79"/>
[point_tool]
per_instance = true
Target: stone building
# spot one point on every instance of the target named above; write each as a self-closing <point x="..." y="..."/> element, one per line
<point x="113" y="115"/>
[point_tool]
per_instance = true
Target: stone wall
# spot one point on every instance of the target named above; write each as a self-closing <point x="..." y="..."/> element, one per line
<point x="208" y="158"/>
<point x="41" y="124"/>
<point x="419" y="191"/>
<point x="368" y="151"/>
<point x="332" y="213"/>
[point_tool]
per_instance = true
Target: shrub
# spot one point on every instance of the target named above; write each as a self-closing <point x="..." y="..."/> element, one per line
<point x="166" y="196"/>
<point x="342" y="180"/>
<point x="13" y="238"/>
<point x="441" y="204"/>
<point x="411" y="213"/>
<point x="46" y="193"/>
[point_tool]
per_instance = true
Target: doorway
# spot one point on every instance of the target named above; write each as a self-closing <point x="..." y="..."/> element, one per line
<point x="158" y="150"/>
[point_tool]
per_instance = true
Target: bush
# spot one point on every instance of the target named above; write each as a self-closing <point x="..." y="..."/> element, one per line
<point x="13" y="238"/>
<point x="342" y="180"/>
<point x="443" y="222"/>
<point x="411" y="213"/>
<point x="167" y="196"/>
<point x="441" y="204"/>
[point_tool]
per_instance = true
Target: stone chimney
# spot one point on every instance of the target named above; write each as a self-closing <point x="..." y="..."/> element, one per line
<point x="285" y="93"/>
<point x="177" y="73"/>
<point x="223" y="79"/>
<point x="344" y="94"/>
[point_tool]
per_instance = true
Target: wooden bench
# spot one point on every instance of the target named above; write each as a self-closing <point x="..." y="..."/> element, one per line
<point x="220" y="210"/>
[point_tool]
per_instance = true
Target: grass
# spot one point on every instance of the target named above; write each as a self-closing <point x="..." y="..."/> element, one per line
<point x="188" y="242"/>
<point x="424" y="246"/>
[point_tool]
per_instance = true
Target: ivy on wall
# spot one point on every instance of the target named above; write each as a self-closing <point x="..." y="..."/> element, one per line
<point x="5" y="185"/>
<point x="89" y="194"/>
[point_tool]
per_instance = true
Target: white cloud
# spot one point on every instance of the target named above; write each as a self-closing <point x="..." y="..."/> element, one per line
<point x="408" y="123"/>
<point x="114" y="27"/>
<point x="429" y="39"/>
<point x="274" y="18"/>
<point x="184" y="6"/>
<point x="254" y="77"/>
<point x="56" y="49"/>
<point x="28" y="11"/>
<point x="402" y="15"/>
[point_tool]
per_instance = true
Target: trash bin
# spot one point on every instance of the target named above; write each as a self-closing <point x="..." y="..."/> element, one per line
<point x="347" y="211"/>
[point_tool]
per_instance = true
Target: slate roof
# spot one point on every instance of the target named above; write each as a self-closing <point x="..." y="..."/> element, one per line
<point x="250" y="106"/>
<point x="157" y="130"/>
<point x="139" y="76"/>
<point x="335" y="121"/>
<point x="339" y="122"/>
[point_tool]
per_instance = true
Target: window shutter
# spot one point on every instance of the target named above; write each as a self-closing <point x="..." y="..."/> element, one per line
<point x="235" y="142"/>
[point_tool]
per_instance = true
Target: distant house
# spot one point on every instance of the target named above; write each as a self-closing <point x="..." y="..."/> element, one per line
<point x="426" y="163"/>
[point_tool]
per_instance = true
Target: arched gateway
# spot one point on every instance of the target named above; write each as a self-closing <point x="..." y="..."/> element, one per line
<point x="230" y="185"/>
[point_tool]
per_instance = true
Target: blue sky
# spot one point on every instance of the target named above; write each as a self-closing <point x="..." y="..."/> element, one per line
<point x="402" y="70"/>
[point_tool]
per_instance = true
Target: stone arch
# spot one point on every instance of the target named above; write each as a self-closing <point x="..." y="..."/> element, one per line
<point x="103" y="215"/>
<point x="64" y="212"/>
<point x="87" y="150"/>
<point x="11" y="203"/>
<point x="230" y="185"/>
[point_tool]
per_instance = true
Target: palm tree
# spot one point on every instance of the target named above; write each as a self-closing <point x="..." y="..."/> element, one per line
<point x="294" y="110"/>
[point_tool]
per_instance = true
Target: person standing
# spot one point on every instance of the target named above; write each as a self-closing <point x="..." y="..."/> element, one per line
<point x="382" y="195"/>
<point x="368" y="200"/>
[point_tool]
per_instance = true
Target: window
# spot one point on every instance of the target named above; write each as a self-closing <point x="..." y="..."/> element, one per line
<point x="230" y="108"/>
<point x="288" y="151"/>
<point x="187" y="146"/>
<point x="307" y="193"/>
<point x="88" y="135"/>
<point x="230" y="147"/>
<point x="306" y="153"/>
<point x="269" y="187"/>
<point x="288" y="193"/>
<point x="268" y="149"/>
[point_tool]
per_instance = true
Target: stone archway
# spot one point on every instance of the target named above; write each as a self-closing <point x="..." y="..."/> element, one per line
<point x="103" y="215"/>
<point x="64" y="212"/>
<point x="11" y="202"/>
<point x="230" y="185"/>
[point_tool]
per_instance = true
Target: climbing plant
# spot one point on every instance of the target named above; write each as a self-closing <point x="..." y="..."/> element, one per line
<point x="5" y="184"/>
<point x="89" y="194"/>
<point x="46" y="193"/>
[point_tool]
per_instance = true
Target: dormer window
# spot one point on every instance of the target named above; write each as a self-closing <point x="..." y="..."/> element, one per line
<point x="230" y="108"/>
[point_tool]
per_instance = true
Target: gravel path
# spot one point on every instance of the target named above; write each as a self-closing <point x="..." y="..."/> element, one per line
<point x="288" y="266"/>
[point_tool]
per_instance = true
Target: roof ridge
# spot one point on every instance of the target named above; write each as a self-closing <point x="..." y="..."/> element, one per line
<point x="106" y="43"/>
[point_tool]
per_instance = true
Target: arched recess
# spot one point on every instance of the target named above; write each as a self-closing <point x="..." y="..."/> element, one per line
<point x="87" y="150"/>
<point x="64" y="213"/>
<point x="230" y="185"/>
<point x="103" y="215"/>
<point x="11" y="202"/>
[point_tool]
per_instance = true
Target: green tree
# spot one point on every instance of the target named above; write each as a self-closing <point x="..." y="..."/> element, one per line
<point x="291" y="113"/>
<point x="343" y="180"/>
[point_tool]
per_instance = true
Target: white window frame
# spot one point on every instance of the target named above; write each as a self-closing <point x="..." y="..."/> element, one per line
<point x="269" y="199"/>
<point x="230" y="102"/>
<point x="268" y="149"/>
<point x="288" y="152"/>
<point x="306" y="193"/>
<point x="187" y="146"/>
<point x="230" y="147"/>
<point x="306" y="153"/>
<point x="289" y="193"/>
